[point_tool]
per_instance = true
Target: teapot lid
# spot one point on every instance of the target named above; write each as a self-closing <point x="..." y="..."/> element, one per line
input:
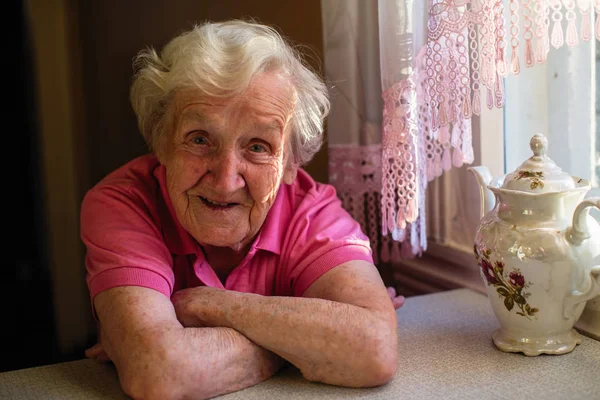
<point x="539" y="174"/>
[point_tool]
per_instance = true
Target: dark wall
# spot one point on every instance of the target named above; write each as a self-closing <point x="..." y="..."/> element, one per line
<point x="27" y="334"/>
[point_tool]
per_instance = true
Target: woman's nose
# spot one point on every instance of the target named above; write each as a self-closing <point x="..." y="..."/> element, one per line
<point x="226" y="173"/>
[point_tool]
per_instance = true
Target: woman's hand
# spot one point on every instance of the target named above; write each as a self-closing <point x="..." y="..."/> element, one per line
<point x="97" y="353"/>
<point x="398" y="301"/>
<point x="203" y="306"/>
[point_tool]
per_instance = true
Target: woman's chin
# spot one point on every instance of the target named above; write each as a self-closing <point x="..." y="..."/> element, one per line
<point x="232" y="240"/>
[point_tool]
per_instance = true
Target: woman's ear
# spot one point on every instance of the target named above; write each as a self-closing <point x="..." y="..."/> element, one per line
<point x="164" y="146"/>
<point x="164" y="143"/>
<point x="160" y="152"/>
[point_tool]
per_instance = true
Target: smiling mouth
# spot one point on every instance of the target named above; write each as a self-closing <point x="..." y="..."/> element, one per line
<point x="216" y="204"/>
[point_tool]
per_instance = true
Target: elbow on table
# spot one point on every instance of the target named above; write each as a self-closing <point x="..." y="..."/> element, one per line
<point x="381" y="362"/>
<point x="144" y="388"/>
<point x="164" y="380"/>
<point x="158" y="389"/>
<point x="375" y="366"/>
<point x="372" y="370"/>
<point x="382" y="368"/>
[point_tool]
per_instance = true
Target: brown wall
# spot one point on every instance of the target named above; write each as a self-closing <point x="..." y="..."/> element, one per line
<point x="113" y="31"/>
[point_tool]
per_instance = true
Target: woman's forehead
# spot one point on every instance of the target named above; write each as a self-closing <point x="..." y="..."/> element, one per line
<point x="211" y="116"/>
<point x="268" y="87"/>
<point x="267" y="102"/>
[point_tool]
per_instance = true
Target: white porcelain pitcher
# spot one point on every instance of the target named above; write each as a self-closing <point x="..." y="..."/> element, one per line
<point x="539" y="253"/>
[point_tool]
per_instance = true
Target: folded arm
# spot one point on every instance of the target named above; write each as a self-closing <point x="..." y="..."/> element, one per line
<point x="157" y="358"/>
<point x="342" y="332"/>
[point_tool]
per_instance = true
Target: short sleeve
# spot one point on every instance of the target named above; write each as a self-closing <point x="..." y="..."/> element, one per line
<point x="124" y="243"/>
<point x="322" y="235"/>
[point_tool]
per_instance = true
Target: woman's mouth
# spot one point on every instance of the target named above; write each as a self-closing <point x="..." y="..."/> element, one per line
<point x="217" y="205"/>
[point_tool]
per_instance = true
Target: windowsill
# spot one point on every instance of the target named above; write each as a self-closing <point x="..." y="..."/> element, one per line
<point x="441" y="268"/>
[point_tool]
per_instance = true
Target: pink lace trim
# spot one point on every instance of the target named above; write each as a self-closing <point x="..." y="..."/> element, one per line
<point x="465" y="35"/>
<point x="355" y="172"/>
<point x="426" y="118"/>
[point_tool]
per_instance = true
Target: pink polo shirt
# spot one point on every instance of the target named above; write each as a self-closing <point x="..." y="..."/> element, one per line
<point x="133" y="237"/>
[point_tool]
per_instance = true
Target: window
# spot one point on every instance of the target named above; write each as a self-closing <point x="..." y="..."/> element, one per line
<point x="557" y="99"/>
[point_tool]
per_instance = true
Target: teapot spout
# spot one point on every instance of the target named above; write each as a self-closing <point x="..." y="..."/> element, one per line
<point x="484" y="177"/>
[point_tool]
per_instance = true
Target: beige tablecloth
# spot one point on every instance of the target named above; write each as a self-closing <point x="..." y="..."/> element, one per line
<point x="445" y="352"/>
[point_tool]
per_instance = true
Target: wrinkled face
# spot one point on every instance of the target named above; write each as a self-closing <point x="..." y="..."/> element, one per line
<point x="225" y="160"/>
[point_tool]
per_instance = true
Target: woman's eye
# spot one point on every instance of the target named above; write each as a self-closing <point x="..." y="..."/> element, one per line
<point x="200" y="140"/>
<point x="257" y="148"/>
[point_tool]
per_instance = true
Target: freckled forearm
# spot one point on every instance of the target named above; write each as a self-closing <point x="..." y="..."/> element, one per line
<point x="328" y="341"/>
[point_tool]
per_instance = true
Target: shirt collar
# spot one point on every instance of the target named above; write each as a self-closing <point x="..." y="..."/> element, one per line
<point x="180" y="242"/>
<point x="269" y="237"/>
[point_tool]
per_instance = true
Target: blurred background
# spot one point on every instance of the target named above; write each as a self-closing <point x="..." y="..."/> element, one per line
<point x="70" y="69"/>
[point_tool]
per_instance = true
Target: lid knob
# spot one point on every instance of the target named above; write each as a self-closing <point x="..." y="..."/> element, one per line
<point x="539" y="145"/>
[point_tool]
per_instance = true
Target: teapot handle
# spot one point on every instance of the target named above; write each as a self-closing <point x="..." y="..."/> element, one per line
<point x="580" y="231"/>
<point x="591" y="290"/>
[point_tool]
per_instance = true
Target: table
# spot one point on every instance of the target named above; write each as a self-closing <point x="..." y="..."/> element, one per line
<point x="445" y="351"/>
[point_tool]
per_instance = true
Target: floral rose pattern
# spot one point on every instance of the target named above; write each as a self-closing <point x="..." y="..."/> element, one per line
<point x="510" y="286"/>
<point x="535" y="176"/>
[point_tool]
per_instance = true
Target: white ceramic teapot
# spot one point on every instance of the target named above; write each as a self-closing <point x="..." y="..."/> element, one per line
<point x="539" y="253"/>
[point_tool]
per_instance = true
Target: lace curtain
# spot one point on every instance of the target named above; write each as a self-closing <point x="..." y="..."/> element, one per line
<point x="406" y="76"/>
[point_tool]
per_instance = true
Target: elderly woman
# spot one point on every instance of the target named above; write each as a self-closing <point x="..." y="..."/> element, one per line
<point x="216" y="259"/>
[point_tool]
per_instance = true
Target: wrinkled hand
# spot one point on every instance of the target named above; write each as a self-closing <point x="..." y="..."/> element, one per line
<point x="398" y="301"/>
<point x="97" y="353"/>
<point x="203" y="306"/>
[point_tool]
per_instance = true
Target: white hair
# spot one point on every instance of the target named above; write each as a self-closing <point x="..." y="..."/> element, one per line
<point x="221" y="59"/>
